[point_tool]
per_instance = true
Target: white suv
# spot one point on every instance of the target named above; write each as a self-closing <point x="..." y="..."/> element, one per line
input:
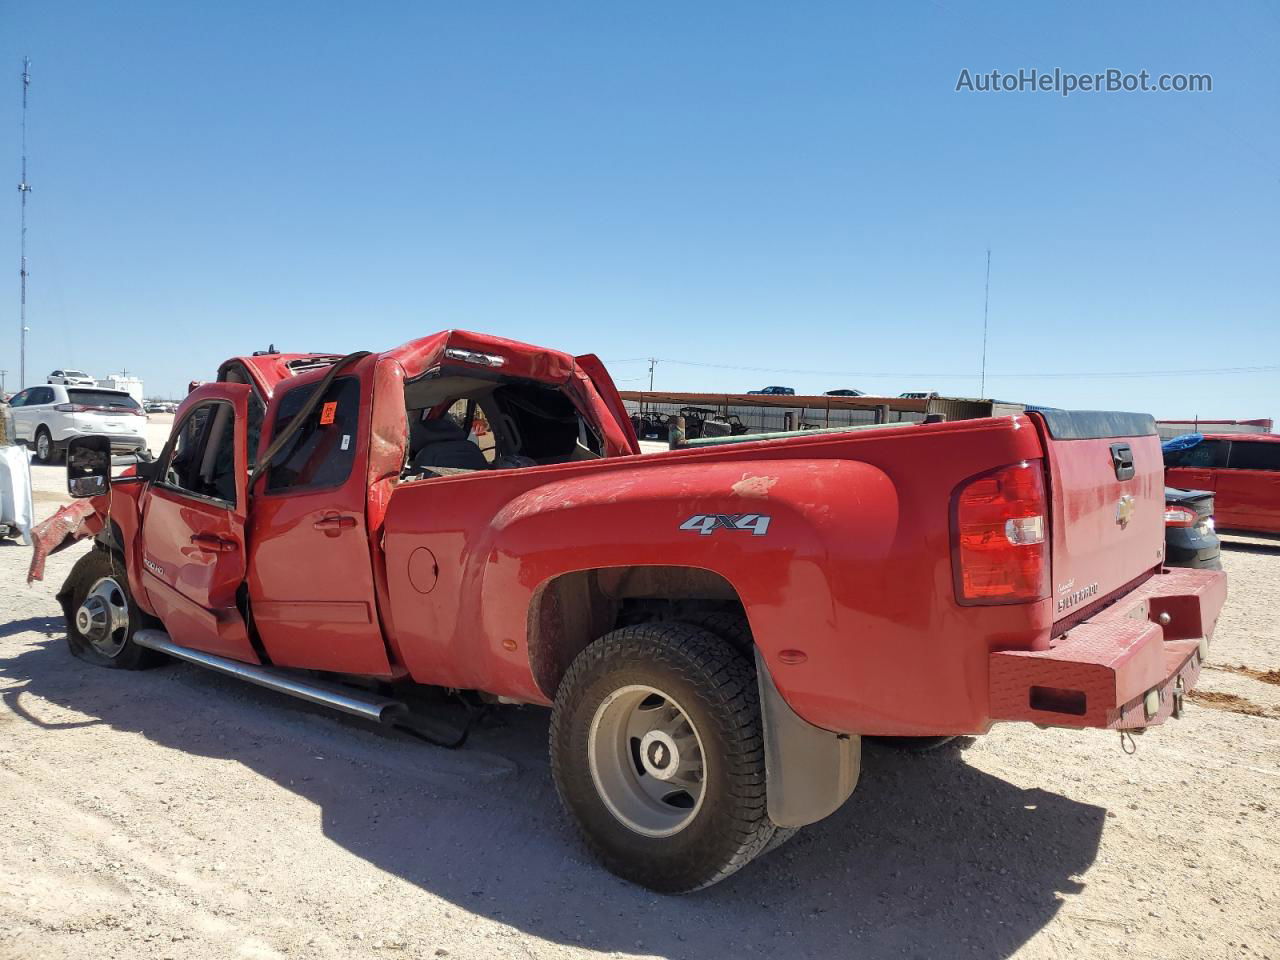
<point x="72" y="378"/>
<point x="47" y="417"/>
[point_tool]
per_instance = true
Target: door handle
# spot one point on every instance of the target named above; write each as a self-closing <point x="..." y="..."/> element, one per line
<point x="334" y="524"/>
<point x="213" y="543"/>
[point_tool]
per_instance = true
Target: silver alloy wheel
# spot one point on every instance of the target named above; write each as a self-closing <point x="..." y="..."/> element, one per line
<point x="103" y="617"/>
<point x="44" y="446"/>
<point x="647" y="761"/>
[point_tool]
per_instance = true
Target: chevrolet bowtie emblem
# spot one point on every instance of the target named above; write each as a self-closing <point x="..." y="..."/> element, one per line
<point x="1124" y="510"/>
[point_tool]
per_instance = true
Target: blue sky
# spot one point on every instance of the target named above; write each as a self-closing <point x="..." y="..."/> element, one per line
<point x="793" y="187"/>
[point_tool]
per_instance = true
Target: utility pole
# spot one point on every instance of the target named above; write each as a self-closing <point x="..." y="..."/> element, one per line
<point x="23" y="189"/>
<point x="986" y="303"/>
<point x="2" y="373"/>
<point x="652" y="363"/>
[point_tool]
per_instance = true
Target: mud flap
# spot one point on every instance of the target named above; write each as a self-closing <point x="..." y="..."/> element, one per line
<point x="810" y="771"/>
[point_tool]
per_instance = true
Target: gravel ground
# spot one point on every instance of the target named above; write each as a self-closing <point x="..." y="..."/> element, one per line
<point x="174" y="813"/>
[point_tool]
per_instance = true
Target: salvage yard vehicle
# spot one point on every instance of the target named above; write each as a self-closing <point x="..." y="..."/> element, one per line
<point x="1242" y="470"/>
<point x="714" y="627"/>
<point x="72" y="378"/>
<point x="1190" y="537"/>
<point x="46" y="418"/>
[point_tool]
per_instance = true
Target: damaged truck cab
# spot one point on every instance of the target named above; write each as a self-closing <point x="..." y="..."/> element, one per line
<point x="714" y="627"/>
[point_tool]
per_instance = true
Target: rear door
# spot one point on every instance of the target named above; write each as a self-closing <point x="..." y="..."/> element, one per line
<point x="193" y="524"/>
<point x="1106" y="490"/>
<point x="36" y="407"/>
<point x="1248" y="489"/>
<point x="14" y="416"/>
<point x="311" y="585"/>
<point x="1197" y="467"/>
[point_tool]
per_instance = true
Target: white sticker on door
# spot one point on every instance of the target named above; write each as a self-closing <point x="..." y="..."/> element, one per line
<point x="346" y="440"/>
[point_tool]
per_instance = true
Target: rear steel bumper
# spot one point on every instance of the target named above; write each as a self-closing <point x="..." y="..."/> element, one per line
<point x="1126" y="667"/>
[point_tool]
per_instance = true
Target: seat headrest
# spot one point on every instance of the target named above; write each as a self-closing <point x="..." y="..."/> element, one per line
<point x="437" y="431"/>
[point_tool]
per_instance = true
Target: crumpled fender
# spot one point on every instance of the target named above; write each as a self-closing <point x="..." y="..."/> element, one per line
<point x="791" y="537"/>
<point x="73" y="522"/>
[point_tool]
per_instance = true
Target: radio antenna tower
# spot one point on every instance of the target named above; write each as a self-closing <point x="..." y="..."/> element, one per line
<point x="23" y="188"/>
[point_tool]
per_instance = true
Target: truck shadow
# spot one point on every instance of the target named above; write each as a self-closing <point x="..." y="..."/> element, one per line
<point x="930" y="857"/>
<point x="1247" y="546"/>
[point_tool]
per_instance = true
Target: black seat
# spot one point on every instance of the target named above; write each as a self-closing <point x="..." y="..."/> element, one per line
<point x="442" y="443"/>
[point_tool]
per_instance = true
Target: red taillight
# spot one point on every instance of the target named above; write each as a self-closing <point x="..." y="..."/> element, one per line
<point x="71" y="408"/>
<point x="999" y="528"/>
<point x="1180" y="516"/>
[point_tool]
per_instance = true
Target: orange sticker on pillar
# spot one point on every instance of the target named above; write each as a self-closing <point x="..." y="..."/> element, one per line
<point x="328" y="413"/>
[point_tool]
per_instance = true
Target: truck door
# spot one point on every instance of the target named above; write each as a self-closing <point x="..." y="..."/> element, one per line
<point x="193" y="524"/>
<point x="311" y="586"/>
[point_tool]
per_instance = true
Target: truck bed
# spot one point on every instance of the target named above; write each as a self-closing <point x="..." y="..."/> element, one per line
<point x="856" y="559"/>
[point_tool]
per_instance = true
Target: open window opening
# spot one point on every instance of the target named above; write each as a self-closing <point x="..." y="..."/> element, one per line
<point x="463" y="423"/>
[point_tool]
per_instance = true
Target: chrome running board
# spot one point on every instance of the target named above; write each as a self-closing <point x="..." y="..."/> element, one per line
<point x="370" y="706"/>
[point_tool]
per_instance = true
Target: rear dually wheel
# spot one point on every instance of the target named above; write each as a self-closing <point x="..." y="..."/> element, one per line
<point x="658" y="755"/>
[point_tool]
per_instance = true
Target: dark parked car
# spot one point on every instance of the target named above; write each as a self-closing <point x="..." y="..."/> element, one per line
<point x="845" y="393"/>
<point x="773" y="392"/>
<point x="1189" y="535"/>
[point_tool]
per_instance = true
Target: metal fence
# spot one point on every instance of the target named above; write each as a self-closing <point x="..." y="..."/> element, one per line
<point x="770" y="419"/>
<point x="1174" y="428"/>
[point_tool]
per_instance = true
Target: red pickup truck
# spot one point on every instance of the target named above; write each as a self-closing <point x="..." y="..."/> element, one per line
<point x="714" y="627"/>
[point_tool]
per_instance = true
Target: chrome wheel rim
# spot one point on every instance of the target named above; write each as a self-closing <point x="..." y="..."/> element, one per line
<point x="42" y="446"/>
<point x="103" y="617"/>
<point x="647" y="761"/>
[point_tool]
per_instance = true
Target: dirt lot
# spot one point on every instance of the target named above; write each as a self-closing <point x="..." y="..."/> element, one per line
<point x="177" y="814"/>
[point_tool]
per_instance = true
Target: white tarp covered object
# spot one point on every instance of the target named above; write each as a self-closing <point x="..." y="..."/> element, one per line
<point x="16" y="508"/>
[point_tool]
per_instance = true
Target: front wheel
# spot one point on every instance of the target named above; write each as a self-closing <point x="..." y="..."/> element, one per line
<point x="101" y="615"/>
<point x="658" y="755"/>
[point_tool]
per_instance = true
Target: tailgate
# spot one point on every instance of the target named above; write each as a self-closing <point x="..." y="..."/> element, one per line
<point x="1106" y="490"/>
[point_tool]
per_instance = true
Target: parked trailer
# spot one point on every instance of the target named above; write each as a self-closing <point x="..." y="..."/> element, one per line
<point x="120" y="381"/>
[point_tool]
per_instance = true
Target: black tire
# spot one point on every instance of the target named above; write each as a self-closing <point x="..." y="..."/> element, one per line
<point x="715" y="686"/>
<point x="94" y="568"/>
<point x="730" y="627"/>
<point x="52" y="455"/>
<point x="913" y="744"/>
<point x="734" y="628"/>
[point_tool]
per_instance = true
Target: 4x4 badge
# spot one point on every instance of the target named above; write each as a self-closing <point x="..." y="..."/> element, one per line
<point x="708" y="523"/>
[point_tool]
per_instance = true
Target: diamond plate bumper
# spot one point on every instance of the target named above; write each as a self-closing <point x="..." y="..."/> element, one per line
<point x="1124" y="668"/>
